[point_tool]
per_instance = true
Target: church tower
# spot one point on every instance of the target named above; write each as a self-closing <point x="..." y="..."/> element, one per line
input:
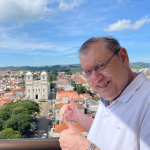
<point x="29" y="85"/>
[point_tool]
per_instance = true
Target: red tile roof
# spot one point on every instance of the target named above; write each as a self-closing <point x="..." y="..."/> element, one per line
<point x="2" y="103"/>
<point x="6" y="100"/>
<point x="60" y="127"/>
<point x="61" y="104"/>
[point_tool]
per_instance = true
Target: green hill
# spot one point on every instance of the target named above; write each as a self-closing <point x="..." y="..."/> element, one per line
<point x="73" y="67"/>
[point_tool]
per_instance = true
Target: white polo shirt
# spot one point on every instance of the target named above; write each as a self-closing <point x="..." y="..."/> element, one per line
<point x="125" y="124"/>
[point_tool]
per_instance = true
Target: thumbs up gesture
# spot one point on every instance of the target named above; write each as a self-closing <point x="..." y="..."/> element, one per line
<point x="70" y="109"/>
<point x="72" y="138"/>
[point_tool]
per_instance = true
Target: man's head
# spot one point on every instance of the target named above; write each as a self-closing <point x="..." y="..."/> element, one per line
<point x="106" y="65"/>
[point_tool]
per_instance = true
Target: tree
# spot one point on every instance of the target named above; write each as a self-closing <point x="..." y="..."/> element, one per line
<point x="10" y="134"/>
<point x="7" y="107"/>
<point x="73" y="83"/>
<point x="51" y="77"/>
<point x="4" y="116"/>
<point x="19" y="123"/>
<point x="48" y="70"/>
<point x="7" y="89"/>
<point x="57" y="122"/>
<point x="19" y="110"/>
<point x="1" y="124"/>
<point x="54" y="71"/>
<point x="28" y="104"/>
<point x="80" y="89"/>
<point x="55" y="89"/>
<point x="22" y="76"/>
<point x="35" y="76"/>
<point x="51" y="85"/>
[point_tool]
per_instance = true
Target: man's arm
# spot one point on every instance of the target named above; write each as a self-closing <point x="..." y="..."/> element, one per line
<point x="75" y="115"/>
<point x="84" y="121"/>
<point x="72" y="138"/>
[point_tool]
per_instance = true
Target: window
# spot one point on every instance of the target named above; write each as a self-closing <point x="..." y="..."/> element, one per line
<point x="36" y="90"/>
<point x="29" y="96"/>
<point x="39" y="90"/>
<point x="43" y="77"/>
<point x="57" y="112"/>
<point x="33" y="90"/>
<point x="43" y="95"/>
<point x="28" y="90"/>
<point x="28" y="78"/>
<point x="43" y="90"/>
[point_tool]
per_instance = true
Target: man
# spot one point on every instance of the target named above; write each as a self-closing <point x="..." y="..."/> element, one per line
<point x="122" y="121"/>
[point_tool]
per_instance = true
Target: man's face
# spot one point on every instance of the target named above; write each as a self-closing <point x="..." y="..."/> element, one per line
<point x="113" y="78"/>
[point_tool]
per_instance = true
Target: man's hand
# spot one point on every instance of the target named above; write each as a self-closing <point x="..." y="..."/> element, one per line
<point x="72" y="138"/>
<point x="70" y="109"/>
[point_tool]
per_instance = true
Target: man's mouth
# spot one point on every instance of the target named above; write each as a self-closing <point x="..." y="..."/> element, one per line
<point x="101" y="86"/>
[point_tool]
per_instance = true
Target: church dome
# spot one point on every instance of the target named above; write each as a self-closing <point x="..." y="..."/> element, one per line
<point x="29" y="73"/>
<point x="43" y="73"/>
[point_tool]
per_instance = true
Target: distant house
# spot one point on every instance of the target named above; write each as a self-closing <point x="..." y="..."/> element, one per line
<point x="55" y="132"/>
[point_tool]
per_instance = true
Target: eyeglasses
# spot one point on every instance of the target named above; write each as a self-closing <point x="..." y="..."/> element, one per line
<point x="98" y="68"/>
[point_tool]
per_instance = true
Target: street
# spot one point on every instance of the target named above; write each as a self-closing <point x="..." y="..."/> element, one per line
<point x="43" y="119"/>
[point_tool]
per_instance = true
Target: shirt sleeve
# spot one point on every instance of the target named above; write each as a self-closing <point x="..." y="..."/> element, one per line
<point x="145" y="132"/>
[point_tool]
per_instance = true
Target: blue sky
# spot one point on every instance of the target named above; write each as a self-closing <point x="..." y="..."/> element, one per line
<point x="50" y="32"/>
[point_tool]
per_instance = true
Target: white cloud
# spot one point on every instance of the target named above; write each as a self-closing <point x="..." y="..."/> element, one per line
<point x="34" y="47"/>
<point x="126" y="24"/>
<point x="25" y="34"/>
<point x="25" y="10"/>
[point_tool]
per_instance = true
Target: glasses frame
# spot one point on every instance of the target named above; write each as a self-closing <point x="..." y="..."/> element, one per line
<point x="103" y="65"/>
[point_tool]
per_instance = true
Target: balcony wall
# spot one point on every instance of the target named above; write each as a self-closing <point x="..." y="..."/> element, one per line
<point x="30" y="144"/>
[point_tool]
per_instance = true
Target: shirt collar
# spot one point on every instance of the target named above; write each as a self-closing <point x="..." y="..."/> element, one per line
<point x="132" y="87"/>
<point x="105" y="102"/>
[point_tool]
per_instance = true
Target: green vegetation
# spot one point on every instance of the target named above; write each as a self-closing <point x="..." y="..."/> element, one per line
<point x="73" y="68"/>
<point x="57" y="122"/>
<point x="51" y="77"/>
<point x="81" y="89"/>
<point x="9" y="133"/>
<point x="55" y="89"/>
<point x="96" y="99"/>
<point x="23" y="83"/>
<point x="42" y="100"/>
<point x="6" y="76"/>
<point x="36" y="77"/>
<point x="51" y="85"/>
<point x="139" y="65"/>
<point x="7" y="89"/>
<point x="16" y="118"/>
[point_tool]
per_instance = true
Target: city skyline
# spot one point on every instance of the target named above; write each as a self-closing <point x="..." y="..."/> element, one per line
<point x="47" y="32"/>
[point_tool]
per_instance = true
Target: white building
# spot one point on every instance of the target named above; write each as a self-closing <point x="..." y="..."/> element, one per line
<point x="37" y="89"/>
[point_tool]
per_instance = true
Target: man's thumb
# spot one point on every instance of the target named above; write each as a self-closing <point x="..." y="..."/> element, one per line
<point x="71" y="100"/>
<point x="67" y="122"/>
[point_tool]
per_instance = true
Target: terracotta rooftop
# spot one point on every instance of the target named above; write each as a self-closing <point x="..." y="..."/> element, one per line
<point x="60" y="127"/>
<point x="78" y="99"/>
<point x="67" y="94"/>
<point x="6" y="100"/>
<point x="2" y="103"/>
<point x="61" y="104"/>
<point x="85" y="95"/>
<point x="58" y="99"/>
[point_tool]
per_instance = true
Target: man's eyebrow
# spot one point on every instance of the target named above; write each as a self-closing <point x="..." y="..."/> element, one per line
<point x="98" y="63"/>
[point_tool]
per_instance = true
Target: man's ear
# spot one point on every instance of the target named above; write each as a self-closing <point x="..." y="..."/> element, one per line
<point x="124" y="57"/>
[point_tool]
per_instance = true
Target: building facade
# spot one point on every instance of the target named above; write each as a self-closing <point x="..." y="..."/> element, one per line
<point x="39" y="89"/>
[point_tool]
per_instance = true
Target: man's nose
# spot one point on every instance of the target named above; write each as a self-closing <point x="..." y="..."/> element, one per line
<point x="96" y="76"/>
